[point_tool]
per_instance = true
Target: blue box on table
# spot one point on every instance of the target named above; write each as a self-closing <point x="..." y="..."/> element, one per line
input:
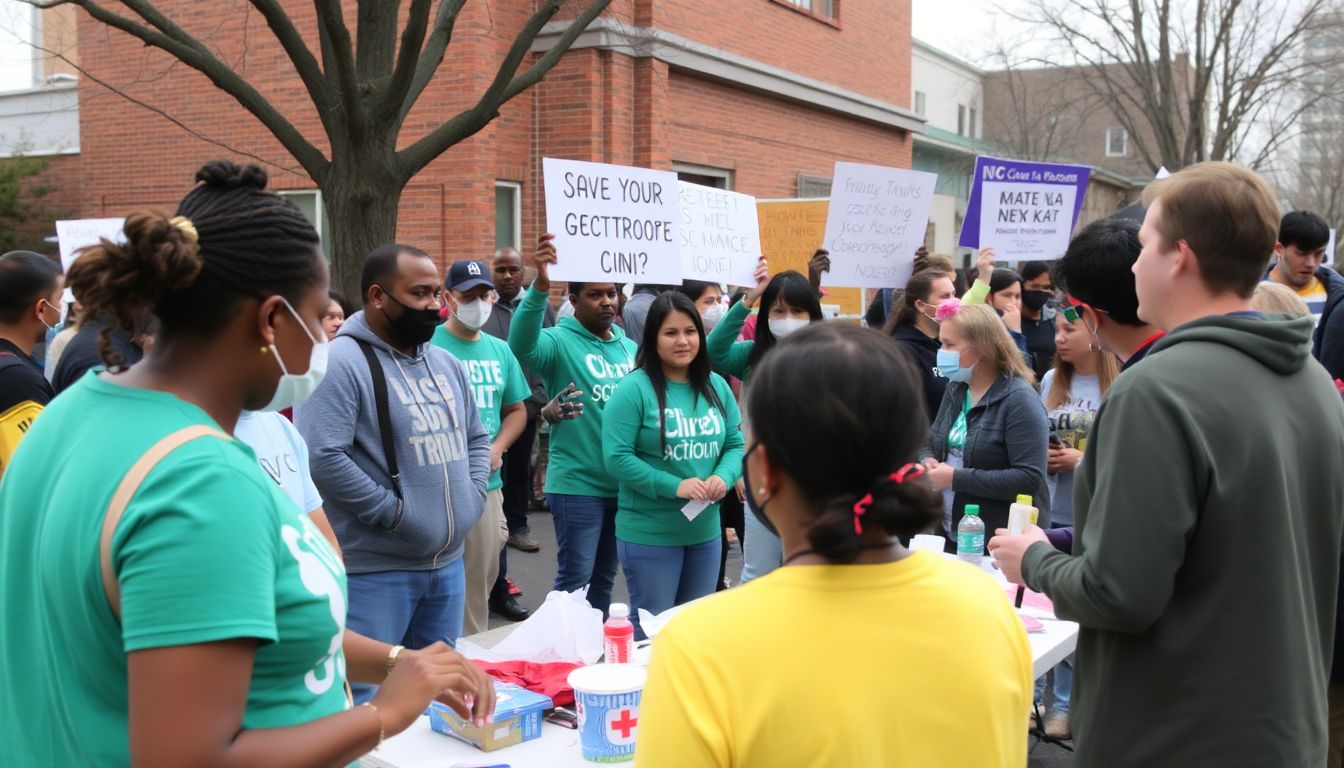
<point x="518" y="713"/>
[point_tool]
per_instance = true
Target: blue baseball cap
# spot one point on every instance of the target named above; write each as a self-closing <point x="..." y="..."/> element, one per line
<point x="465" y="275"/>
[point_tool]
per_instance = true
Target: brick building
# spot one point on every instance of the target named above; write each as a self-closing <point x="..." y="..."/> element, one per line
<point x="760" y="96"/>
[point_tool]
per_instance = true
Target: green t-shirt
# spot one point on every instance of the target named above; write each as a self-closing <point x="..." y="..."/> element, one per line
<point x="726" y="353"/>
<point x="496" y="378"/>
<point x="569" y="352"/>
<point x="701" y="441"/>
<point x="209" y="549"/>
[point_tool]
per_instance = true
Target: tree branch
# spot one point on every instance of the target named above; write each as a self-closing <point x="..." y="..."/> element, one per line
<point x="504" y="87"/>
<point x="431" y="57"/>
<point x="338" y="60"/>
<point x="299" y="54"/>
<point x="412" y="38"/>
<point x="175" y="41"/>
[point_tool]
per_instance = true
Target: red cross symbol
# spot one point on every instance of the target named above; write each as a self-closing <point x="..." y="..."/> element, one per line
<point x="625" y="724"/>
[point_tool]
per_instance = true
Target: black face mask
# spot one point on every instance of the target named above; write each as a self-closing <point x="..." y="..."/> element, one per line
<point x="412" y="327"/>
<point x="1035" y="300"/>
<point x="757" y="508"/>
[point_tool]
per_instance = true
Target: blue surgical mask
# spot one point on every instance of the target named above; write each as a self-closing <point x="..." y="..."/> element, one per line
<point x="949" y="366"/>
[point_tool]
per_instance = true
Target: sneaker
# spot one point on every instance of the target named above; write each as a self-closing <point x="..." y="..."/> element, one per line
<point x="1057" y="725"/>
<point x="523" y="542"/>
<point x="509" y="609"/>
<point x="514" y="589"/>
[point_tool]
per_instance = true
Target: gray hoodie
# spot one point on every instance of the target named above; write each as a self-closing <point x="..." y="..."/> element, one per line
<point x="443" y="454"/>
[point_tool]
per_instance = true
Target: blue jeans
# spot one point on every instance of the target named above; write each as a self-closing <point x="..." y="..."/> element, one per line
<point x="662" y="577"/>
<point x="585" y="538"/>
<point x="761" y="551"/>
<point x="1063" y="681"/>
<point x="410" y="608"/>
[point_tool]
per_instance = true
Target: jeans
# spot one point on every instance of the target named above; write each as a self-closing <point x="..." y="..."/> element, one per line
<point x="761" y="551"/>
<point x="585" y="538"/>
<point x="662" y="577"/>
<point x="1063" y="680"/>
<point x="411" y="608"/>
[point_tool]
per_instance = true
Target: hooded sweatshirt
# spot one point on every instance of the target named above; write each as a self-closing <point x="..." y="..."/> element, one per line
<point x="1208" y="510"/>
<point x="569" y="352"/>
<point x="443" y="454"/>
<point x="923" y="352"/>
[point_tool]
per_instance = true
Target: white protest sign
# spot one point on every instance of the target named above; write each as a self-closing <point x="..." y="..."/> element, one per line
<point x="1330" y="249"/>
<point x="1023" y="210"/>
<point x="875" y="223"/>
<point x="720" y="236"/>
<point x="612" y="223"/>
<point x="74" y="234"/>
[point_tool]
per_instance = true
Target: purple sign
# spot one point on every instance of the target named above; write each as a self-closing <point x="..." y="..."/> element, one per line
<point x="1024" y="211"/>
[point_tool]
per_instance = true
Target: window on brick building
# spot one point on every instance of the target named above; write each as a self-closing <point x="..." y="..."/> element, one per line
<point x="920" y="102"/>
<point x="825" y="9"/>
<point x="704" y="175"/>
<point x="309" y="201"/>
<point x="508" y="214"/>
<point x="813" y="186"/>
<point x="1117" y="142"/>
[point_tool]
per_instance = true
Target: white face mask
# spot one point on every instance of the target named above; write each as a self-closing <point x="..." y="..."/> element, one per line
<point x="782" y="327"/>
<point x="291" y="389"/>
<point x="713" y="315"/>
<point x="474" y="314"/>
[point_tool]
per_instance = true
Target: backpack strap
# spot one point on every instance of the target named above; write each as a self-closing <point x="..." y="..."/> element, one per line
<point x="384" y="415"/>
<point x="130" y="483"/>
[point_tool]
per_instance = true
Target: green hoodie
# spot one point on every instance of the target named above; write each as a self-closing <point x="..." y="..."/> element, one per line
<point x="1208" y="511"/>
<point x="700" y="441"/>
<point x="726" y="353"/>
<point x="569" y="352"/>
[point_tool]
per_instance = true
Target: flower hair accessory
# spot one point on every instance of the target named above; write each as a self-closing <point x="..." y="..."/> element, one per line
<point x="184" y="225"/>
<point x="908" y="472"/>
<point x="946" y="309"/>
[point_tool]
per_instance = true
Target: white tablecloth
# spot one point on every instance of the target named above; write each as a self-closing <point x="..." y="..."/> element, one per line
<point x="419" y="747"/>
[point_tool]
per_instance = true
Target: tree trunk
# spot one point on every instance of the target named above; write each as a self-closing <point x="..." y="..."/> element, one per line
<point x="362" y="197"/>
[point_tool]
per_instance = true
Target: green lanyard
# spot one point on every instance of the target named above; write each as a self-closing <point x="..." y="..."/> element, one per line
<point x="956" y="437"/>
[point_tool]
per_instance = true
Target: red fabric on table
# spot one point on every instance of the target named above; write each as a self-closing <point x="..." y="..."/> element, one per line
<point x="549" y="679"/>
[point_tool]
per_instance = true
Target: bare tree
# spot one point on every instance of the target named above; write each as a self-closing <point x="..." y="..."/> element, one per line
<point x="1191" y="81"/>
<point x="362" y="94"/>
<point x="1034" y="115"/>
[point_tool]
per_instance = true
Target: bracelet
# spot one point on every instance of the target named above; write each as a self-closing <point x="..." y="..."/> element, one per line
<point x="382" y="733"/>
<point x="392" y="656"/>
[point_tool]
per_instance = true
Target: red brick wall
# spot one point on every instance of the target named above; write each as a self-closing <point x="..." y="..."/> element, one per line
<point x="596" y="105"/>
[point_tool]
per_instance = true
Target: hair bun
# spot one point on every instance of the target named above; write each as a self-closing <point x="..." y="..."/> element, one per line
<point x="225" y="175"/>
<point x="159" y="257"/>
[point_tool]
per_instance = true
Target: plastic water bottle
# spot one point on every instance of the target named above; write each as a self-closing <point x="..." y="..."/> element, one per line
<point x="618" y="635"/>
<point x="971" y="536"/>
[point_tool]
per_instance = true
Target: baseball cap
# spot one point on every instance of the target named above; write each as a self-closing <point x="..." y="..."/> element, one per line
<point x="465" y="275"/>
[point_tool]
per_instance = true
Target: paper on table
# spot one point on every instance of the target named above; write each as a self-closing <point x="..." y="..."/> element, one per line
<point x="564" y="628"/>
<point x="693" y="508"/>
<point x="927" y="543"/>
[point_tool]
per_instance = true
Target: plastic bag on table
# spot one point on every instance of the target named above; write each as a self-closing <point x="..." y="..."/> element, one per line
<point x="564" y="628"/>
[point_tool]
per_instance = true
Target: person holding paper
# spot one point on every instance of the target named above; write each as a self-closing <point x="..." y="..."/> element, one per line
<point x="1001" y="289"/>
<point x="584" y="356"/>
<point x="826" y="661"/>
<point x="672" y="435"/>
<point x="790" y="304"/>
<point x="988" y="442"/>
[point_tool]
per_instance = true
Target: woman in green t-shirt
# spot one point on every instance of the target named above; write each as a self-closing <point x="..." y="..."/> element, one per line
<point x="673" y="441"/>
<point x="196" y="617"/>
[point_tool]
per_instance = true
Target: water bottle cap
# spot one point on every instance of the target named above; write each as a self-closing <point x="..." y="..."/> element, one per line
<point x="619" y="611"/>
<point x="1024" y="499"/>
<point x="972" y="510"/>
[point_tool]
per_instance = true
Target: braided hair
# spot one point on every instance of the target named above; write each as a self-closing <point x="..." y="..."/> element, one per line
<point x="231" y="241"/>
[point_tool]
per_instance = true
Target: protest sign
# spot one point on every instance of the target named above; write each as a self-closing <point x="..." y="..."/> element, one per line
<point x="612" y="223"/>
<point x="74" y="234"/>
<point x="720" y="236"/>
<point x="1330" y="249"/>
<point x="875" y="223"/>
<point x="791" y="231"/>
<point x="1024" y="211"/>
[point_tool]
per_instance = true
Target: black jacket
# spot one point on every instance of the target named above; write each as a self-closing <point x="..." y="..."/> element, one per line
<point x="923" y="352"/>
<point x="81" y="354"/>
<point x="1007" y="434"/>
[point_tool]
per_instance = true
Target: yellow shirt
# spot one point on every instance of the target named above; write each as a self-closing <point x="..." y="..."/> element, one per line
<point x="919" y="663"/>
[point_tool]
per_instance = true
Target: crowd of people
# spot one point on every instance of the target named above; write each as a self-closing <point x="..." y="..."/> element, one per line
<point x="235" y="501"/>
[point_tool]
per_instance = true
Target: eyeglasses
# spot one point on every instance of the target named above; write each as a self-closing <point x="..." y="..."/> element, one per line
<point x="1073" y="310"/>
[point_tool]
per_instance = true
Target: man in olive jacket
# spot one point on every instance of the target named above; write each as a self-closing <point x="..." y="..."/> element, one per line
<point x="1209" y="509"/>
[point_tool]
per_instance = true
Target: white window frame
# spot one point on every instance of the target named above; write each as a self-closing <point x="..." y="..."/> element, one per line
<point x="815" y="182"/>
<point x="827" y="10"/>
<point x="961" y="119"/>
<point x="1124" y="142"/>
<point x="706" y="170"/>
<point x="921" y="103"/>
<point x="321" y="224"/>
<point x="517" y="188"/>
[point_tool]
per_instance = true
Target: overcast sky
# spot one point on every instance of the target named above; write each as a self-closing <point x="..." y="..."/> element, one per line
<point x="16" y="58"/>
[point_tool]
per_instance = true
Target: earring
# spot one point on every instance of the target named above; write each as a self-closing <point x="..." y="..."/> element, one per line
<point x="264" y="350"/>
